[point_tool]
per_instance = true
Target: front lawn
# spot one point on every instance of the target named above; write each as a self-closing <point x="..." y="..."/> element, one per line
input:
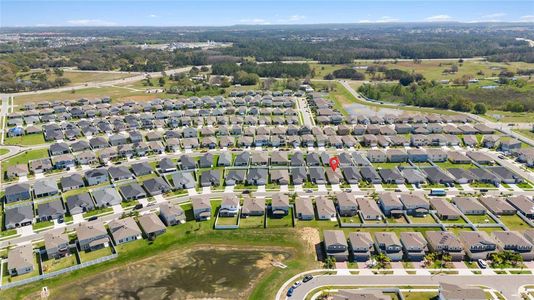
<point x="42" y="225"/>
<point x="99" y="211"/>
<point x="25" y="140"/>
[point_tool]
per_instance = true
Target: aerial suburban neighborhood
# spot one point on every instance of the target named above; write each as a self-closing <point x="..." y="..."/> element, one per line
<point x="273" y="159"/>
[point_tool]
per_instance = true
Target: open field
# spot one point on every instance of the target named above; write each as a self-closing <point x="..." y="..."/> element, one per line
<point x="25" y="140"/>
<point x="24" y="158"/>
<point x="514" y="222"/>
<point x="525" y="132"/>
<point x="77" y="77"/>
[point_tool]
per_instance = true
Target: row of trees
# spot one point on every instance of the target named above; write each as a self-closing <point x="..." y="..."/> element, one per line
<point x="263" y="70"/>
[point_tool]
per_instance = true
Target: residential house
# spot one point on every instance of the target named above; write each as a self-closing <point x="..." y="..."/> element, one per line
<point x="369" y="210"/>
<point x="390" y="204"/>
<point x="444" y="209"/>
<point x="389" y="244"/>
<point x="20" y="260"/>
<point x="479" y="244"/>
<point x="18" y="215"/>
<point x="151" y="225"/>
<point x="347" y="204"/>
<point x="80" y="203"/>
<point x="96" y="176"/>
<point x="229" y="206"/>
<point x="45" y="188"/>
<point x="17" y="192"/>
<point x="92" y="235"/>
<point x="253" y="207"/>
<point x="515" y="242"/>
<point x="469" y="206"/>
<point x="56" y="244"/>
<point x="361" y="246"/>
<point x="304" y="208"/>
<point x="414" y="245"/>
<point x="124" y="230"/>
<point x="131" y="191"/>
<point x="184" y="180"/>
<point x="448" y="291"/>
<point x="498" y="206"/>
<point x="106" y="197"/>
<point x="71" y="182"/>
<point x="156" y="186"/>
<point x="201" y="207"/>
<point x="336" y="244"/>
<point x="280" y="205"/>
<point x="445" y="242"/>
<point x="171" y="214"/>
<point x="523" y="204"/>
<point x="52" y="210"/>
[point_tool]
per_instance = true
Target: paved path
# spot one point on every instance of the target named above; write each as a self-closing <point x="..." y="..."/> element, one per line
<point x="508" y="285"/>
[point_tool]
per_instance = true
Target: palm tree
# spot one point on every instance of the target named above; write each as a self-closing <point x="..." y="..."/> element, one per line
<point x="382" y="260"/>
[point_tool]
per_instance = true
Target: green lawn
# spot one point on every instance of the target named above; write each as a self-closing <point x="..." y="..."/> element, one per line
<point x="52" y="265"/>
<point x="104" y="210"/>
<point x="252" y="222"/>
<point x="427" y="219"/>
<point x="320" y="224"/>
<point x="480" y="219"/>
<point x="514" y="222"/>
<point x="227" y="220"/>
<point x="448" y="164"/>
<point x="25" y="140"/>
<point x="92" y="255"/>
<point x="458" y="221"/>
<point x="6" y="278"/>
<point x="525" y="132"/>
<point x="286" y="221"/>
<point x="389" y="165"/>
<point x="42" y="225"/>
<point x="24" y="157"/>
<point x="351" y="220"/>
<point x="126" y="204"/>
<point x="419" y="295"/>
<point x="3" y="151"/>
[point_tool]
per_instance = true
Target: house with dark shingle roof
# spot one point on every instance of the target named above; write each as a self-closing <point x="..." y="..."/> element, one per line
<point x="71" y="182"/>
<point x="132" y="191"/>
<point x="96" y="176"/>
<point x="156" y="186"/>
<point x="45" y="187"/>
<point x="106" y="197"/>
<point x="171" y="214"/>
<point x="17" y="192"/>
<point x="18" y="216"/>
<point x="80" y="203"/>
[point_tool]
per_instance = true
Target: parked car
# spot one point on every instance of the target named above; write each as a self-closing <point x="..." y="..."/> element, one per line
<point x="290" y="292"/>
<point x="307" y="278"/>
<point x="482" y="264"/>
<point x="92" y="218"/>
<point x="296" y="284"/>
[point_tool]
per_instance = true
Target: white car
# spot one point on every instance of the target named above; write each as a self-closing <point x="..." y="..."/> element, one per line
<point x="482" y="264"/>
<point x="296" y="284"/>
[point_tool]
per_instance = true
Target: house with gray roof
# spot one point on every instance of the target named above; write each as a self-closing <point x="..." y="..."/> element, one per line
<point x="184" y="180"/>
<point x="347" y="205"/>
<point x="325" y="208"/>
<point x="257" y="176"/>
<point x="298" y="175"/>
<point x="523" y="204"/>
<point x="370" y="175"/>
<point x="459" y="292"/>
<point x="167" y="165"/>
<point x="156" y="186"/>
<point x="437" y="176"/>
<point x="18" y="216"/>
<point x="171" y="214"/>
<point x="235" y="176"/>
<point x="498" y="206"/>
<point x="152" y="226"/>
<point x="20" y="260"/>
<point x="336" y="245"/>
<point x="478" y="244"/>
<point x="391" y="176"/>
<point x="253" y="207"/>
<point x="469" y="206"/>
<point x="45" y="187"/>
<point x="17" y="192"/>
<point x="58" y="149"/>
<point x="361" y="246"/>
<point x="447" y="243"/>
<point x="390" y="204"/>
<point x="106" y="197"/>
<point x="304" y="208"/>
<point x="515" y="242"/>
<point x="461" y="175"/>
<point x="351" y="175"/>
<point x="413" y="176"/>
<point x="80" y="203"/>
<point x="56" y="244"/>
<point x="444" y="209"/>
<point x="225" y="159"/>
<point x="141" y="169"/>
<point x="92" y="235"/>
<point x="18" y="170"/>
<point x="124" y="230"/>
<point x="505" y="175"/>
<point x="279" y="176"/>
<point x="201" y="207"/>
<point x="480" y="157"/>
<point x="71" y="182"/>
<point x="96" y="176"/>
<point x="242" y="159"/>
<point x="210" y="178"/>
<point x="132" y="191"/>
<point x="52" y="210"/>
<point x="206" y="161"/>
<point x="317" y="175"/>
<point x="415" y="205"/>
<point x="369" y="209"/>
<point x="389" y="244"/>
<point x="279" y="205"/>
<point x="414" y="245"/>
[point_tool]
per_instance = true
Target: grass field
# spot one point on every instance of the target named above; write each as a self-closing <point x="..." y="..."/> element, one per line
<point x="3" y="151"/>
<point x="252" y="222"/>
<point x="525" y="132"/>
<point x="480" y="219"/>
<point x="448" y="164"/>
<point x="514" y="222"/>
<point x="92" y="255"/>
<point x="508" y="116"/>
<point x="51" y="265"/>
<point x="77" y="77"/>
<point x="25" y="140"/>
<point x="24" y="158"/>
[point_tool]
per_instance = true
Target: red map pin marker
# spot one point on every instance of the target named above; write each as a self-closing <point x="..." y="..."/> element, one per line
<point x="334" y="163"/>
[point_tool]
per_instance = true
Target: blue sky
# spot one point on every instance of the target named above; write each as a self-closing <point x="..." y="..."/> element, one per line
<point x="225" y="12"/>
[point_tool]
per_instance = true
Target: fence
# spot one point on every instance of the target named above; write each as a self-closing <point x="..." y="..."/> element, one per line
<point x="59" y="272"/>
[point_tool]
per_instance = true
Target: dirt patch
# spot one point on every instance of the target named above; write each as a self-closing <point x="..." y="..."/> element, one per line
<point x="310" y="236"/>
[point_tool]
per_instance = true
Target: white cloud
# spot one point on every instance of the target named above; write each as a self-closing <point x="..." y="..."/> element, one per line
<point x="153" y="16"/>
<point x="255" y="21"/>
<point x="90" y="22"/>
<point x="439" y="18"/>
<point x="291" y="19"/>
<point x="528" y="18"/>
<point x="383" y="19"/>
<point x="495" y="17"/>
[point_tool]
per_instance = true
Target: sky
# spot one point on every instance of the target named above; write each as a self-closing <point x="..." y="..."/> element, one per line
<point x="14" y="13"/>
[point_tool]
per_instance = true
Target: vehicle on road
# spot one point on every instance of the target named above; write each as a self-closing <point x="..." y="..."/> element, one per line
<point x="438" y="192"/>
<point x="307" y="278"/>
<point x="296" y="284"/>
<point x="482" y="264"/>
<point x="484" y="190"/>
<point x="501" y="157"/>
<point x="290" y="292"/>
<point x="309" y="191"/>
<point x="92" y="218"/>
<point x="138" y="206"/>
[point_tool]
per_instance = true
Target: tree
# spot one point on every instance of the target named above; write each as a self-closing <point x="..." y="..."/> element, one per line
<point x="58" y="72"/>
<point x="245" y="78"/>
<point x="479" y="109"/>
<point x="330" y="262"/>
<point x="382" y="260"/>
<point x="161" y="81"/>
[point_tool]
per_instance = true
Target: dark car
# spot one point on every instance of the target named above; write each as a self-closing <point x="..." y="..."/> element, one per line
<point x="290" y="292"/>
<point x="307" y="278"/>
<point x="92" y="218"/>
<point x="138" y="206"/>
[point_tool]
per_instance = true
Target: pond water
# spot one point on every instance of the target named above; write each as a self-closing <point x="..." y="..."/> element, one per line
<point x="197" y="274"/>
